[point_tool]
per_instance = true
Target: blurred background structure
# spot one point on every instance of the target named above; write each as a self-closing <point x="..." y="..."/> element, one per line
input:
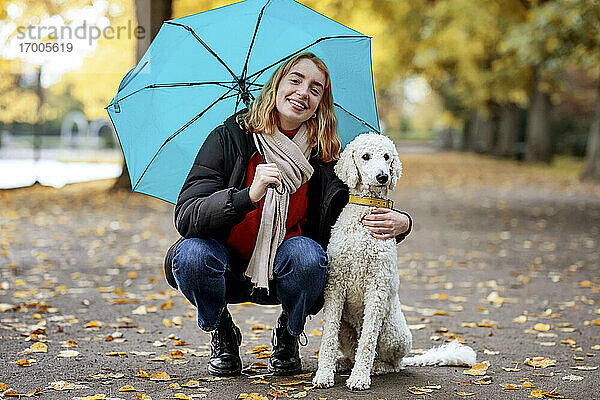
<point x="515" y="79"/>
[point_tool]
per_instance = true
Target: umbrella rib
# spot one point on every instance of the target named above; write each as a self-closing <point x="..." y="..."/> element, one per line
<point x="349" y="113"/>
<point x="245" y="70"/>
<point x="206" y="46"/>
<point x="178" y="84"/>
<point x="259" y="72"/>
<point x="191" y="121"/>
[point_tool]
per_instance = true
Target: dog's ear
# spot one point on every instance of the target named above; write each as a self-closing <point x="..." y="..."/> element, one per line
<point x="346" y="168"/>
<point x="395" y="170"/>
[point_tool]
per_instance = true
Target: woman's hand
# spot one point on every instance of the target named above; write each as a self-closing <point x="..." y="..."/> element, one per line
<point x="384" y="223"/>
<point x="264" y="175"/>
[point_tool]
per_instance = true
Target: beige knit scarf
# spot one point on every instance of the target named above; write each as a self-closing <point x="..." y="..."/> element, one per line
<point x="291" y="157"/>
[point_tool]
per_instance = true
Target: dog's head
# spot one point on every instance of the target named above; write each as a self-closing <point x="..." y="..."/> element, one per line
<point x="370" y="159"/>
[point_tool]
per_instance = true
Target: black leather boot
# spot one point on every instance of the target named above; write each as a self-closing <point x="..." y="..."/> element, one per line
<point x="225" y="348"/>
<point x="285" y="358"/>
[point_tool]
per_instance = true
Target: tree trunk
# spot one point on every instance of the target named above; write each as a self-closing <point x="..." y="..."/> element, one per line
<point x="539" y="145"/>
<point x="508" y="131"/>
<point x="150" y="15"/>
<point x="591" y="168"/>
<point x="482" y="133"/>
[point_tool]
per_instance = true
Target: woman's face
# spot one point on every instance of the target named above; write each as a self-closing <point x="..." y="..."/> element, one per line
<point x="299" y="93"/>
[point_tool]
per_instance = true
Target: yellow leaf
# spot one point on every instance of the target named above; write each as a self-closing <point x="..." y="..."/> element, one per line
<point x="541" y="327"/>
<point x="540" y="362"/>
<point x="176" y="354"/>
<point x="537" y="394"/>
<point x="316" y="332"/>
<point x="463" y="393"/>
<point x="116" y="353"/>
<point x="510" y="387"/>
<point x="11" y="392"/>
<point x="174" y="386"/>
<point x="142" y="374"/>
<point x="192" y="384"/>
<point x="127" y="388"/>
<point x="3" y="387"/>
<point x="160" y="376"/>
<point x="520" y="319"/>
<point x="182" y="396"/>
<point x="92" y="324"/>
<point x="23" y="362"/>
<point x="180" y="342"/>
<point x="70" y="343"/>
<point x="478" y="369"/>
<point x="585" y="284"/>
<point x="527" y="384"/>
<point x="258" y="349"/>
<point x="167" y="305"/>
<point x="38" y="347"/>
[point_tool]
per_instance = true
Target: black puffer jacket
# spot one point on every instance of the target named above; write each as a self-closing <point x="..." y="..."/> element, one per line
<point x="213" y="198"/>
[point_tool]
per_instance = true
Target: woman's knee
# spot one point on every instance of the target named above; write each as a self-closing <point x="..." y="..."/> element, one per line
<point x="198" y="255"/>
<point x="302" y="257"/>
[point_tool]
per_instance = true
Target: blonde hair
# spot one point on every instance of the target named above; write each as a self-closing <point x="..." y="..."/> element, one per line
<point x="261" y="116"/>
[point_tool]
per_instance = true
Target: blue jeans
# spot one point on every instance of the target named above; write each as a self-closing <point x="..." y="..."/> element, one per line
<point x="210" y="277"/>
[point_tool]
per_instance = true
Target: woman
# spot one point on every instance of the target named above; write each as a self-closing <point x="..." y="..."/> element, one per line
<point x="256" y="231"/>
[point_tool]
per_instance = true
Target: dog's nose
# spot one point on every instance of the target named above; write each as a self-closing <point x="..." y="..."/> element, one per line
<point x="382" y="177"/>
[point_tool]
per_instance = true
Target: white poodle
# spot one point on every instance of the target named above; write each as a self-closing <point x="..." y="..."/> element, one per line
<point x="361" y="296"/>
<point x="362" y="314"/>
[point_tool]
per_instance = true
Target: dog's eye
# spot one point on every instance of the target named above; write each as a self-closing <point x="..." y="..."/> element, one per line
<point x="386" y="157"/>
<point x="366" y="157"/>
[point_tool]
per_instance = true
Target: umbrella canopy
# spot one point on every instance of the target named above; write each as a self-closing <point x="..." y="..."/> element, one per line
<point x="202" y="68"/>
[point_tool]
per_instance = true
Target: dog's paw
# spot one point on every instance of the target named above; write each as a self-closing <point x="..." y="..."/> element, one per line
<point x="323" y="378"/>
<point x="359" y="380"/>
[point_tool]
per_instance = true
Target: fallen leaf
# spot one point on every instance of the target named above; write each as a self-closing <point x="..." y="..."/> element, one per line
<point x="540" y="362"/>
<point x="527" y="384"/>
<point x="572" y="378"/>
<point x="584" y="367"/>
<point x="160" y="376"/>
<point x="478" y="369"/>
<point x="127" y="388"/>
<point x="182" y="396"/>
<point x="192" y="384"/>
<point x="174" y="386"/>
<point x="70" y="343"/>
<point x="179" y="343"/>
<point x="510" y="387"/>
<point x="258" y="349"/>
<point x="176" y="354"/>
<point x="92" y="324"/>
<point x="537" y="394"/>
<point x="142" y="374"/>
<point x="541" y="327"/>
<point x="116" y="353"/>
<point x="38" y="347"/>
<point x="486" y="380"/>
<point x="463" y="393"/>
<point x="67" y="353"/>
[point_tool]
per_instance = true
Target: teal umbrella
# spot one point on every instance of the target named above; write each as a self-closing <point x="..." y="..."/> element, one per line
<point x="202" y="68"/>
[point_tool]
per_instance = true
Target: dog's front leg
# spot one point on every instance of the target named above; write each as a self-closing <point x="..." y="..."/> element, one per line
<point x="332" y="315"/>
<point x="360" y="378"/>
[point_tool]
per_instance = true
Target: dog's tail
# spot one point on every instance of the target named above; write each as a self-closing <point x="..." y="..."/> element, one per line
<point x="452" y="353"/>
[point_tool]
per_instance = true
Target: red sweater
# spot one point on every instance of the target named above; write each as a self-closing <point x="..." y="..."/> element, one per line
<point x="242" y="237"/>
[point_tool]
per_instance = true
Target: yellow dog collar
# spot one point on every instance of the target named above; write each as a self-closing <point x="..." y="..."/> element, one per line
<point x="371" y="201"/>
